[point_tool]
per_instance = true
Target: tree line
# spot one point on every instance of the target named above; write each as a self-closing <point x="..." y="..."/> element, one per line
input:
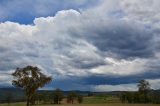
<point x="143" y="95"/>
<point x="55" y="97"/>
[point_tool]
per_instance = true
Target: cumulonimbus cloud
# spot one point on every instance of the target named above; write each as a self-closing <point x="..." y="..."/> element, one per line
<point x="81" y="44"/>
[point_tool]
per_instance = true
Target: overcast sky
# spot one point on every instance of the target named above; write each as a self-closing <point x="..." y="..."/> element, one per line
<point x="97" y="45"/>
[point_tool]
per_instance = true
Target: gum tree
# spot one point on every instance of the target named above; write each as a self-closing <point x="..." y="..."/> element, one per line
<point x="144" y="88"/>
<point x="29" y="78"/>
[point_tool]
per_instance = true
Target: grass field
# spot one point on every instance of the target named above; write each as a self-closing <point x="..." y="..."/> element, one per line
<point x="99" y="100"/>
<point x="103" y="104"/>
<point x="89" y="101"/>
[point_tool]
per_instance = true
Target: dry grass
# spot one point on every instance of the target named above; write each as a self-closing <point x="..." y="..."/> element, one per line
<point x="106" y="104"/>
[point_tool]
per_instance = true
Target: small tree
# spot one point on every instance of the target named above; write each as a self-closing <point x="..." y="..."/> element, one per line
<point x="46" y="97"/>
<point x="30" y="79"/>
<point x="71" y="97"/>
<point x="90" y="94"/>
<point x="57" y="96"/>
<point x="144" y="88"/>
<point x="80" y="98"/>
<point x="123" y="97"/>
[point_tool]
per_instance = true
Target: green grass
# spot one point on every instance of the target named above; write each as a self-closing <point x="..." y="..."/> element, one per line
<point x="13" y="104"/>
<point x="97" y="99"/>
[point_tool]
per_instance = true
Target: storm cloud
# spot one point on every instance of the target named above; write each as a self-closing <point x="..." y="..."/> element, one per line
<point x="82" y="48"/>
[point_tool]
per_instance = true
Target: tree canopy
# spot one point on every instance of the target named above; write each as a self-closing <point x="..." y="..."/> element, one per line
<point x="29" y="78"/>
<point x="143" y="86"/>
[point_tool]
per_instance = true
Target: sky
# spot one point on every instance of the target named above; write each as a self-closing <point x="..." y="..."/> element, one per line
<point x="90" y="45"/>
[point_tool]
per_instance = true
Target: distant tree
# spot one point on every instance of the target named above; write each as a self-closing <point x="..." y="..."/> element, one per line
<point x="90" y="94"/>
<point x="46" y="97"/>
<point x="57" y="96"/>
<point x="30" y="79"/>
<point x="71" y="97"/>
<point x="144" y="88"/>
<point x="156" y="97"/>
<point x="129" y="97"/>
<point x="9" y="97"/>
<point x="123" y="97"/>
<point x="136" y="98"/>
<point x="80" y="98"/>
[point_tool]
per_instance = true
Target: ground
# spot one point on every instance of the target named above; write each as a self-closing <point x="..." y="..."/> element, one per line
<point x="106" y="104"/>
<point x="89" y="101"/>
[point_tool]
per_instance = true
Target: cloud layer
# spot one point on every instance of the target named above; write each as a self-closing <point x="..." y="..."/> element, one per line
<point x="97" y="47"/>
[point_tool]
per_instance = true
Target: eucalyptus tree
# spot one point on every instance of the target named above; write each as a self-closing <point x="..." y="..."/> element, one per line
<point x="144" y="88"/>
<point x="29" y="78"/>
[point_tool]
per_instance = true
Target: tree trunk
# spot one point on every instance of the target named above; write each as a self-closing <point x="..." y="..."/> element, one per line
<point x="28" y="101"/>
